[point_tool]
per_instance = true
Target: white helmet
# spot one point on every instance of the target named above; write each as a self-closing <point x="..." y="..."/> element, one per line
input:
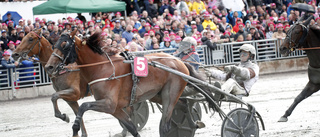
<point x="249" y="48"/>
<point x="191" y="40"/>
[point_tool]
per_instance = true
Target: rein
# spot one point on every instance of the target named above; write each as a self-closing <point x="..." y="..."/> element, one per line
<point x="38" y="41"/>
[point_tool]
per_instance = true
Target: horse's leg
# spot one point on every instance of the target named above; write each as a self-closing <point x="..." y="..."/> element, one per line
<point x="170" y="95"/>
<point x="126" y="121"/>
<point x="75" y="108"/>
<point x="103" y="105"/>
<point x="305" y="93"/>
<point x="67" y="94"/>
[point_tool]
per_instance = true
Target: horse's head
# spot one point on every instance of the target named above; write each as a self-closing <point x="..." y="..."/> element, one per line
<point x="30" y="45"/>
<point x="63" y="54"/>
<point x="296" y="36"/>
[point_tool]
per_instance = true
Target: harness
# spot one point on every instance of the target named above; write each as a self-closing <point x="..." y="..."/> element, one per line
<point x="25" y="54"/>
<point x="305" y="30"/>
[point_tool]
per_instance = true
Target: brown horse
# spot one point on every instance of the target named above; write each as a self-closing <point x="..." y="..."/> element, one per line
<point x="114" y="93"/>
<point x="66" y="85"/>
<point x="304" y="36"/>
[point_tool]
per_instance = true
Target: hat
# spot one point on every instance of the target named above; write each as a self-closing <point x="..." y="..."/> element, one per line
<point x="193" y="22"/>
<point x="11" y="42"/>
<point x="148" y="24"/>
<point x="98" y="21"/>
<point x="194" y="27"/>
<point x="6" y="53"/>
<point x="21" y="31"/>
<point x="227" y="32"/>
<point x="238" y="19"/>
<point x="254" y="23"/>
<point x="121" y="18"/>
<point x="69" y="18"/>
<point x="214" y="7"/>
<point x="271" y="18"/>
<point x="118" y="13"/>
<point x="166" y="32"/>
<point x="271" y="23"/>
<point x="17" y="42"/>
<point x="241" y="24"/>
<point x="60" y="25"/>
<point x="146" y="34"/>
<point x="248" y="21"/>
<point x="10" y="21"/>
<point x="4" y="24"/>
<point x="3" y="31"/>
<point x="281" y="17"/>
<point x="198" y="33"/>
<point x="317" y="18"/>
<point x="117" y="21"/>
<point x="279" y="25"/>
<point x="41" y="21"/>
<point x="177" y="38"/>
<point x="142" y="20"/>
<point x="286" y="26"/>
<point x="206" y="15"/>
<point x="134" y="30"/>
<point x="172" y="33"/>
<point x="156" y="27"/>
<point x="273" y="4"/>
<point x="228" y="27"/>
<point x="21" y="20"/>
<point x="167" y="39"/>
<point x="37" y="19"/>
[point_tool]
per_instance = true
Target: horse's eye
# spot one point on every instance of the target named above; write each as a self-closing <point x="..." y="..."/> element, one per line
<point x="30" y="39"/>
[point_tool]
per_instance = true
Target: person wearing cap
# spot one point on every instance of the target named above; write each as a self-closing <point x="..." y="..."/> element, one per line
<point x="176" y="42"/>
<point x="10" y="27"/>
<point x="207" y="22"/>
<point x="271" y="29"/>
<point x="198" y="6"/>
<point x="12" y="47"/>
<point x="166" y="44"/>
<point x="5" y="40"/>
<point x="239" y="78"/>
<point x="146" y="29"/>
<point x="279" y="34"/>
<point x="8" y="63"/>
<point x="20" y="35"/>
<point x="240" y="32"/>
<point x="117" y="29"/>
<point x="54" y="35"/>
<point x="128" y="35"/>
<point x="21" y="22"/>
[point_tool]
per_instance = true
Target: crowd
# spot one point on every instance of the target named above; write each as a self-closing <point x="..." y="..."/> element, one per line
<point x="159" y="25"/>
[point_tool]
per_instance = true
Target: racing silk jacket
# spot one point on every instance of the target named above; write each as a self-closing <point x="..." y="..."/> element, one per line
<point x="241" y="74"/>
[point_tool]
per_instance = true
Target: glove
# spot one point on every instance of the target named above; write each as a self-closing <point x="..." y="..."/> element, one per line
<point x="229" y="68"/>
<point x="208" y="73"/>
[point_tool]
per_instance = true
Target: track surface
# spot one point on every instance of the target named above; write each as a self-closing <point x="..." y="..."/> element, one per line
<point x="271" y="96"/>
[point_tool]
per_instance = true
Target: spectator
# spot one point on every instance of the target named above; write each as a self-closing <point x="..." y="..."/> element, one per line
<point x="176" y="42"/>
<point x="11" y="46"/>
<point x="8" y="63"/>
<point x="54" y="35"/>
<point x="5" y="40"/>
<point x="182" y="6"/>
<point x="198" y="6"/>
<point x="271" y="29"/>
<point x="28" y="73"/>
<point x="166" y="43"/>
<point x="207" y="22"/>
<point x="241" y="31"/>
<point x="128" y="34"/>
<point x="118" y="29"/>
<point x="279" y="34"/>
<point x="152" y="10"/>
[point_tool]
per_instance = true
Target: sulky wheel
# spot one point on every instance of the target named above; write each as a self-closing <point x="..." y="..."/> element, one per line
<point x="240" y="124"/>
<point x="180" y="126"/>
<point x="139" y="115"/>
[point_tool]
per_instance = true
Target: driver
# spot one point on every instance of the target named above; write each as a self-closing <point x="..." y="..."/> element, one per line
<point x="240" y="78"/>
<point x="187" y="52"/>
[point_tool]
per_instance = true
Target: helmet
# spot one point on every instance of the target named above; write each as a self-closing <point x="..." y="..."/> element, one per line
<point x="249" y="48"/>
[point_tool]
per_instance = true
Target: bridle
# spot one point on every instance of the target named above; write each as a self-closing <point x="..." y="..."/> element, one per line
<point x="25" y="54"/>
<point x="69" y="43"/>
<point x="305" y="30"/>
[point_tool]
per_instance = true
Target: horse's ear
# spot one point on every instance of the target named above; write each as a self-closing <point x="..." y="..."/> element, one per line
<point x="38" y="31"/>
<point x="307" y="22"/>
<point x="73" y="33"/>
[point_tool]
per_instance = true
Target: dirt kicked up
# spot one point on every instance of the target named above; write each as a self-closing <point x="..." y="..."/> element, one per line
<point x="271" y="96"/>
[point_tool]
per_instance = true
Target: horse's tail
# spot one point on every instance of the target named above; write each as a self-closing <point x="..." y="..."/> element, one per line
<point x="195" y="74"/>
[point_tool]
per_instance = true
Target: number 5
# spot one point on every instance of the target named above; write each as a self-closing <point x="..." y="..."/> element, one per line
<point x="140" y="65"/>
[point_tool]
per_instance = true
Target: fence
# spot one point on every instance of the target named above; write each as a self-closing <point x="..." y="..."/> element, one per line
<point x="226" y="53"/>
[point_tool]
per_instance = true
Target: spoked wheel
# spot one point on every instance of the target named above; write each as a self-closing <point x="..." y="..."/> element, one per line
<point x="139" y="115"/>
<point x="240" y="124"/>
<point x="180" y="126"/>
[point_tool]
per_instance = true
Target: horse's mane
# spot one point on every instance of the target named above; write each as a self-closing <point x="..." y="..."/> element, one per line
<point x="94" y="42"/>
<point x="315" y="29"/>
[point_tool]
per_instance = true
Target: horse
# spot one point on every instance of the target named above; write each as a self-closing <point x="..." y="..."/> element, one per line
<point x="66" y="84"/>
<point x="305" y="37"/>
<point x="111" y="83"/>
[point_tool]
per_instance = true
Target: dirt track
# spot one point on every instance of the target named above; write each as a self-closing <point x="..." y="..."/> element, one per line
<point x="271" y="96"/>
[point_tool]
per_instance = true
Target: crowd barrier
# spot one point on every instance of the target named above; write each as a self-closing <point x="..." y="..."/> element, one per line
<point x="226" y="53"/>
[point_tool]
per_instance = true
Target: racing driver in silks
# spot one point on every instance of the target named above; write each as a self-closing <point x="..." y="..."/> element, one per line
<point x="187" y="52"/>
<point x="240" y="78"/>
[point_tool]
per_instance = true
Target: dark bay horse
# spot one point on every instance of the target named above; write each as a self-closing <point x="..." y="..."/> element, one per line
<point x="305" y="37"/>
<point x="114" y="92"/>
<point x="66" y="85"/>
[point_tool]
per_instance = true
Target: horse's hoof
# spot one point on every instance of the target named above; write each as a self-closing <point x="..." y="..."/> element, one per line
<point x="283" y="119"/>
<point x="200" y="124"/>
<point x="66" y="118"/>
